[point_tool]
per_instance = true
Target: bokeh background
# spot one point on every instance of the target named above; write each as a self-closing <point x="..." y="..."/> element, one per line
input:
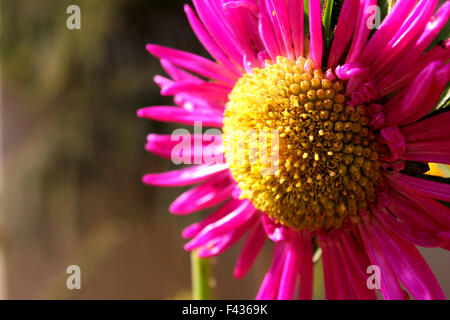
<point x="72" y="157"/>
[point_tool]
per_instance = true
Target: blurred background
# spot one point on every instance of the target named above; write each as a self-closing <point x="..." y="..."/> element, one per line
<point x="72" y="157"/>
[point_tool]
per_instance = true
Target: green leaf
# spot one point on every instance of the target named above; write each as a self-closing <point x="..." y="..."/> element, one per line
<point x="306" y="18"/>
<point x="444" y="168"/>
<point x="391" y="4"/>
<point x="385" y="7"/>
<point x="306" y="25"/>
<point x="326" y="20"/>
<point x="444" y="100"/>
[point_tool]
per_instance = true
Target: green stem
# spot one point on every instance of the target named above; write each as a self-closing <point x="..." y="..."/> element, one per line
<point x="201" y="273"/>
<point x="319" y="289"/>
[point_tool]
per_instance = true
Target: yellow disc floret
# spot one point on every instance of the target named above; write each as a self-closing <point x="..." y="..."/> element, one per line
<point x="297" y="150"/>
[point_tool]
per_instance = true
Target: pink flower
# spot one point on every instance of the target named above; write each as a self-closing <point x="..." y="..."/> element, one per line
<point x="355" y="125"/>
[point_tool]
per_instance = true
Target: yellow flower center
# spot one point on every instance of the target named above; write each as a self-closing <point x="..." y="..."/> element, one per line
<point x="297" y="150"/>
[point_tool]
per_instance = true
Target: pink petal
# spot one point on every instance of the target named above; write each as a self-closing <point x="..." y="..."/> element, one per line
<point x="289" y="277"/>
<point x="195" y="228"/>
<point x="332" y="290"/>
<point x="419" y="98"/>
<point x="343" y="33"/>
<point x="395" y="141"/>
<point x="297" y="26"/>
<point x="357" y="253"/>
<point x="427" y="188"/>
<point x="361" y="31"/>
<point x="222" y="243"/>
<point x="267" y="33"/>
<point x="315" y="30"/>
<point x="282" y="18"/>
<point x="389" y="285"/>
<point x="267" y="5"/>
<point x="245" y="25"/>
<point x="163" y="146"/>
<point x="403" y="230"/>
<point x="403" y="43"/>
<point x="306" y="267"/>
<point x="356" y="278"/>
<point x="252" y="246"/>
<point x="405" y="74"/>
<point x="350" y="70"/>
<point x="428" y="140"/>
<point x="433" y="208"/>
<point x="204" y="196"/>
<point x="205" y="90"/>
<point x="243" y="213"/>
<point x="208" y="42"/>
<point x="405" y="206"/>
<point x="179" y="115"/>
<point x="163" y="81"/>
<point x="192" y="62"/>
<point x="430" y="129"/>
<point x="434" y="151"/>
<point x="406" y="262"/>
<point x="270" y="284"/>
<point x="183" y="177"/>
<point x="193" y="103"/>
<point x="432" y="29"/>
<point x="177" y="73"/>
<point x="387" y="30"/>
<point x="276" y="232"/>
<point x="215" y="16"/>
